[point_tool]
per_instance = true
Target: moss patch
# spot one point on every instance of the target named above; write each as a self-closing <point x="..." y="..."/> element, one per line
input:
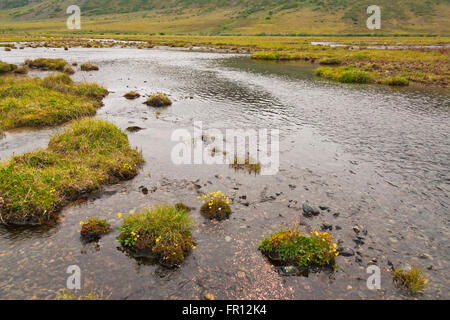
<point x="292" y="248"/>
<point x="93" y="228"/>
<point x="32" y="102"/>
<point x="132" y="95"/>
<point x="182" y="206"/>
<point x="163" y="232"/>
<point x="86" y="155"/>
<point x="413" y="280"/>
<point x="158" y="100"/>
<point x="87" y="66"/>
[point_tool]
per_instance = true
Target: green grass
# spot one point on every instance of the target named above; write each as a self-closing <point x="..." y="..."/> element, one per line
<point x="32" y="102"/>
<point x="163" y="231"/>
<point x="412" y="280"/>
<point x="291" y="247"/>
<point x="344" y="74"/>
<point x="89" y="153"/>
<point x="158" y="100"/>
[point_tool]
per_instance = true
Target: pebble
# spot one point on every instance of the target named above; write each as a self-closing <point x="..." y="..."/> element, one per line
<point x="393" y="240"/>
<point x="425" y="256"/>
<point x="227" y="238"/>
<point x="310" y="211"/>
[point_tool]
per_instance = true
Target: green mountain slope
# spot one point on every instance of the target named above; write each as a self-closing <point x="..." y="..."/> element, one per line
<point x="233" y="16"/>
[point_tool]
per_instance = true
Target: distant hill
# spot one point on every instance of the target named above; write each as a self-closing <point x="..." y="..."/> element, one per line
<point x="230" y="16"/>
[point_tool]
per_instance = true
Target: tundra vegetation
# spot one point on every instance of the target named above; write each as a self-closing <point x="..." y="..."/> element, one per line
<point x="35" y="102"/>
<point x="86" y="155"/>
<point x="132" y="95"/>
<point x="93" y="228"/>
<point x="162" y="232"/>
<point x="158" y="100"/>
<point x="50" y="65"/>
<point x="87" y="66"/>
<point x="216" y="206"/>
<point x="293" y="248"/>
<point x="412" y="280"/>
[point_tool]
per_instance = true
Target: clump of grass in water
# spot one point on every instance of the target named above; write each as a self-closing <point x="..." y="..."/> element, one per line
<point x="32" y="102"/>
<point x="158" y="100"/>
<point x="94" y="228"/>
<point x="50" y="64"/>
<point x="87" y="66"/>
<point x="132" y="95"/>
<point x="182" y="206"/>
<point x="412" y="279"/>
<point x="88" y="154"/>
<point x="397" y="81"/>
<point x="216" y="206"/>
<point x="163" y="231"/>
<point x="291" y="247"/>
<point x="246" y="164"/>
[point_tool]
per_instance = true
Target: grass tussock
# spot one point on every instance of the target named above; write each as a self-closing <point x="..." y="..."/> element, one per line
<point x="50" y="64"/>
<point x="7" y="67"/>
<point x="158" y="100"/>
<point x="93" y="228"/>
<point x="215" y="206"/>
<point x="89" y="153"/>
<point x="162" y="231"/>
<point x="247" y="164"/>
<point x="132" y="95"/>
<point x="291" y="247"/>
<point x="412" y="280"/>
<point x="87" y="66"/>
<point x="344" y="74"/>
<point x="34" y="102"/>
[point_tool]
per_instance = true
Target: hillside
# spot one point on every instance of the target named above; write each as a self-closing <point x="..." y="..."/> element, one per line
<point x="228" y="16"/>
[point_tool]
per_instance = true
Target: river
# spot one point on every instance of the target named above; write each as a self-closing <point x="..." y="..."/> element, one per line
<point x="378" y="157"/>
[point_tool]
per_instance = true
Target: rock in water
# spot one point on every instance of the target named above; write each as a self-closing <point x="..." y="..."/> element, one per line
<point x="310" y="211"/>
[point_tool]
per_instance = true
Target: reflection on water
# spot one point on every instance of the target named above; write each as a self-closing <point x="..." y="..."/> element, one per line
<point x="377" y="156"/>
